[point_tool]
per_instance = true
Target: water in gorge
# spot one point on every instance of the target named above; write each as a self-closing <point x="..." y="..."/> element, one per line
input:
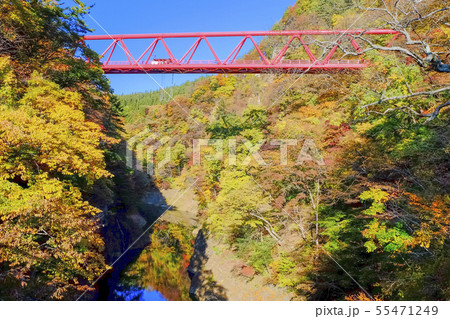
<point x="155" y="268"/>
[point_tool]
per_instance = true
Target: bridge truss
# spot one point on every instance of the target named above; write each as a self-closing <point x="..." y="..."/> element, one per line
<point x="145" y="63"/>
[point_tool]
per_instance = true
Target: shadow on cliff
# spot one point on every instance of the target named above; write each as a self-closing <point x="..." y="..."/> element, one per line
<point x="203" y="287"/>
<point x="127" y="224"/>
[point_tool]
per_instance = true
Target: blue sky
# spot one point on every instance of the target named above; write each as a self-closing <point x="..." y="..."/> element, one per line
<point x="156" y="16"/>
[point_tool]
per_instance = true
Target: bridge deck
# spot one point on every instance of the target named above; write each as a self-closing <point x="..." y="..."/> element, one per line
<point x="238" y="67"/>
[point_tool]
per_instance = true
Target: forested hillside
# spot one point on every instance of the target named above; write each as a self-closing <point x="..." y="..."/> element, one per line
<point x="365" y="215"/>
<point x="357" y="209"/>
<point x="135" y="103"/>
<point x="59" y="124"/>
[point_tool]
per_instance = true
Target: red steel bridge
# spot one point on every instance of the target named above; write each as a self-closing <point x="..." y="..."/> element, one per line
<point x="144" y="63"/>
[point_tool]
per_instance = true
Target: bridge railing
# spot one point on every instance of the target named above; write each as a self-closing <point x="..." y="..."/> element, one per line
<point x="240" y="62"/>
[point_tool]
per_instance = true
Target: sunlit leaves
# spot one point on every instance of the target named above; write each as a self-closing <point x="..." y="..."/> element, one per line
<point x="391" y="240"/>
<point x="378" y="198"/>
<point x="47" y="132"/>
<point x="239" y="197"/>
<point x="51" y="152"/>
<point x="46" y="233"/>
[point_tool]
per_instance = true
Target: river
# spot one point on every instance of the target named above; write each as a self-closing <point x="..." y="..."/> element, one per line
<point x="155" y="268"/>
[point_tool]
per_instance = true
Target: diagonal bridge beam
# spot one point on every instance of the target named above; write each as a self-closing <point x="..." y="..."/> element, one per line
<point x="279" y="62"/>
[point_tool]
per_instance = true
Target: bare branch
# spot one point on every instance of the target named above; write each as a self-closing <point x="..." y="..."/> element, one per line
<point x="435" y="113"/>
<point x="402" y="25"/>
<point x="430" y="116"/>
<point x="402" y="97"/>
<point x="426" y="16"/>
<point x="405" y="51"/>
<point x="268" y="228"/>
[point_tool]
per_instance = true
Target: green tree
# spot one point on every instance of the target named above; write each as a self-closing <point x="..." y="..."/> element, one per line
<point x="58" y="118"/>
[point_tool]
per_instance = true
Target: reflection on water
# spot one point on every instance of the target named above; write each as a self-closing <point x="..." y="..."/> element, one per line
<point x="130" y="294"/>
<point x="160" y="271"/>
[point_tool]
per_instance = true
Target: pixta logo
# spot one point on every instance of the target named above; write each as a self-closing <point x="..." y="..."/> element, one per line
<point x="153" y="152"/>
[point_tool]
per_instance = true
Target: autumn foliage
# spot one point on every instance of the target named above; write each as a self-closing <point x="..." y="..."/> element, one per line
<point x="379" y="207"/>
<point x="367" y="207"/>
<point x="52" y="151"/>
